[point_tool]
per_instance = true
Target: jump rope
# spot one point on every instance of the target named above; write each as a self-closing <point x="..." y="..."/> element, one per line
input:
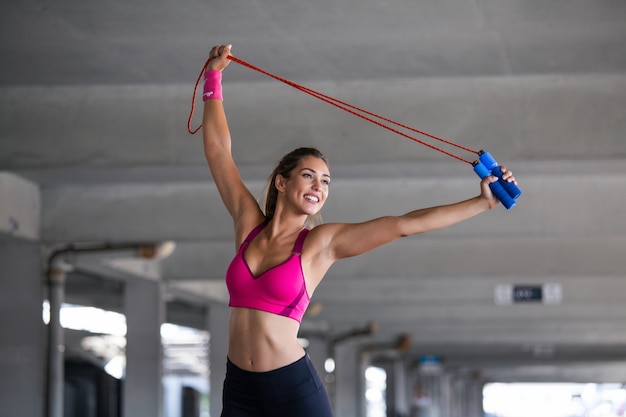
<point x="506" y="192"/>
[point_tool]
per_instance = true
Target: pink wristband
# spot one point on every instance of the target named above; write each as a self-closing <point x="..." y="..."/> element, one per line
<point x="212" y="85"/>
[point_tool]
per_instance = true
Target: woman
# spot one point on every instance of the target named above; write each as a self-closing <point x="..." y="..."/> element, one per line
<point x="280" y="262"/>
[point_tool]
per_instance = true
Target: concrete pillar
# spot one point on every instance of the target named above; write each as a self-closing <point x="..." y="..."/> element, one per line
<point x="458" y="388"/>
<point x="218" y="350"/>
<point x="56" y="340"/>
<point x="397" y="379"/>
<point x="20" y="207"/>
<point x="145" y="311"/>
<point x="476" y="397"/>
<point x="22" y="342"/>
<point x="22" y="336"/>
<point x="470" y="394"/>
<point x="461" y="393"/>
<point x="448" y="395"/>
<point x="429" y="393"/>
<point x="318" y="352"/>
<point x="348" y="376"/>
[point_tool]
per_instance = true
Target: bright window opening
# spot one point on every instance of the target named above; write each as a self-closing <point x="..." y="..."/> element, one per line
<point x="554" y="400"/>
<point x="375" y="392"/>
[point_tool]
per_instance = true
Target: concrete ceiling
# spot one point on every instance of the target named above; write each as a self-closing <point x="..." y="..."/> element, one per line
<point x="94" y="101"/>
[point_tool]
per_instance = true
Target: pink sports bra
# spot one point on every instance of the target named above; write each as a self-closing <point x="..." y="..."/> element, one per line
<point x="279" y="290"/>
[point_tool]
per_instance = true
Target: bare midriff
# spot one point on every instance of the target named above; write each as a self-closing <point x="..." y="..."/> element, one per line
<point x="260" y="341"/>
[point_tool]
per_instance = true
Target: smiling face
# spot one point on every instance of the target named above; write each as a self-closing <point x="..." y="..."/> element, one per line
<point x="287" y="167"/>
<point x="306" y="188"/>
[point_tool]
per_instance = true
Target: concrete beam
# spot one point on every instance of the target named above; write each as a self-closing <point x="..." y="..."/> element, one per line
<point x="551" y="206"/>
<point x="515" y="118"/>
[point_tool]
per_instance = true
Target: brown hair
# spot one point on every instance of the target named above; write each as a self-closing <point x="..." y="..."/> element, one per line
<point x="284" y="168"/>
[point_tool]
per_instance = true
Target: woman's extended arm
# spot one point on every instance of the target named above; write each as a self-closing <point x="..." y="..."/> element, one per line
<point x="346" y="240"/>
<point x="238" y="200"/>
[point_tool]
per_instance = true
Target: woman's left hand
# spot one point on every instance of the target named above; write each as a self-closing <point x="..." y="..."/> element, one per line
<point x="219" y="57"/>
<point x="486" y="193"/>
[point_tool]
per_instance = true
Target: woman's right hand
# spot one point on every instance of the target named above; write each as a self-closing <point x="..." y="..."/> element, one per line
<point x="218" y="57"/>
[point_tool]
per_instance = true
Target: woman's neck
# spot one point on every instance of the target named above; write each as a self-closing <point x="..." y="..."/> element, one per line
<point x="281" y="224"/>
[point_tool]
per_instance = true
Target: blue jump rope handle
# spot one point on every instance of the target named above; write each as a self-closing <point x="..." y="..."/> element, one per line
<point x="491" y="164"/>
<point x="496" y="187"/>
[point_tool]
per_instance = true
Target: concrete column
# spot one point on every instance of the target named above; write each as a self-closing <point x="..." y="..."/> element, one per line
<point x="398" y="379"/>
<point x="464" y="398"/>
<point x="22" y="336"/>
<point x="476" y="398"/>
<point x="20" y="207"/>
<point x="318" y="352"/>
<point x="145" y="312"/>
<point x="218" y="349"/>
<point x="56" y="340"/>
<point x="347" y="377"/>
<point x="449" y="399"/>
<point x="22" y="365"/>
<point x="430" y="390"/>
<point x="458" y="400"/>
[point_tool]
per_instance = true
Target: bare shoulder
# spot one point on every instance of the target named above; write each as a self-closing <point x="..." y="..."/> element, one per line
<point x="343" y="240"/>
<point x="321" y="241"/>
<point x="323" y="234"/>
<point x="317" y="254"/>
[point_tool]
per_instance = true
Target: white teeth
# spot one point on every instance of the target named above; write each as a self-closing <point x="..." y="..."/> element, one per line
<point x="312" y="198"/>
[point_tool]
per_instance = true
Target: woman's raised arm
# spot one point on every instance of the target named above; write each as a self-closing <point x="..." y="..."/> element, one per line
<point x="238" y="200"/>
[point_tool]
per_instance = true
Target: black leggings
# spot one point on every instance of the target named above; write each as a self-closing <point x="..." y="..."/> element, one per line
<point x="291" y="391"/>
